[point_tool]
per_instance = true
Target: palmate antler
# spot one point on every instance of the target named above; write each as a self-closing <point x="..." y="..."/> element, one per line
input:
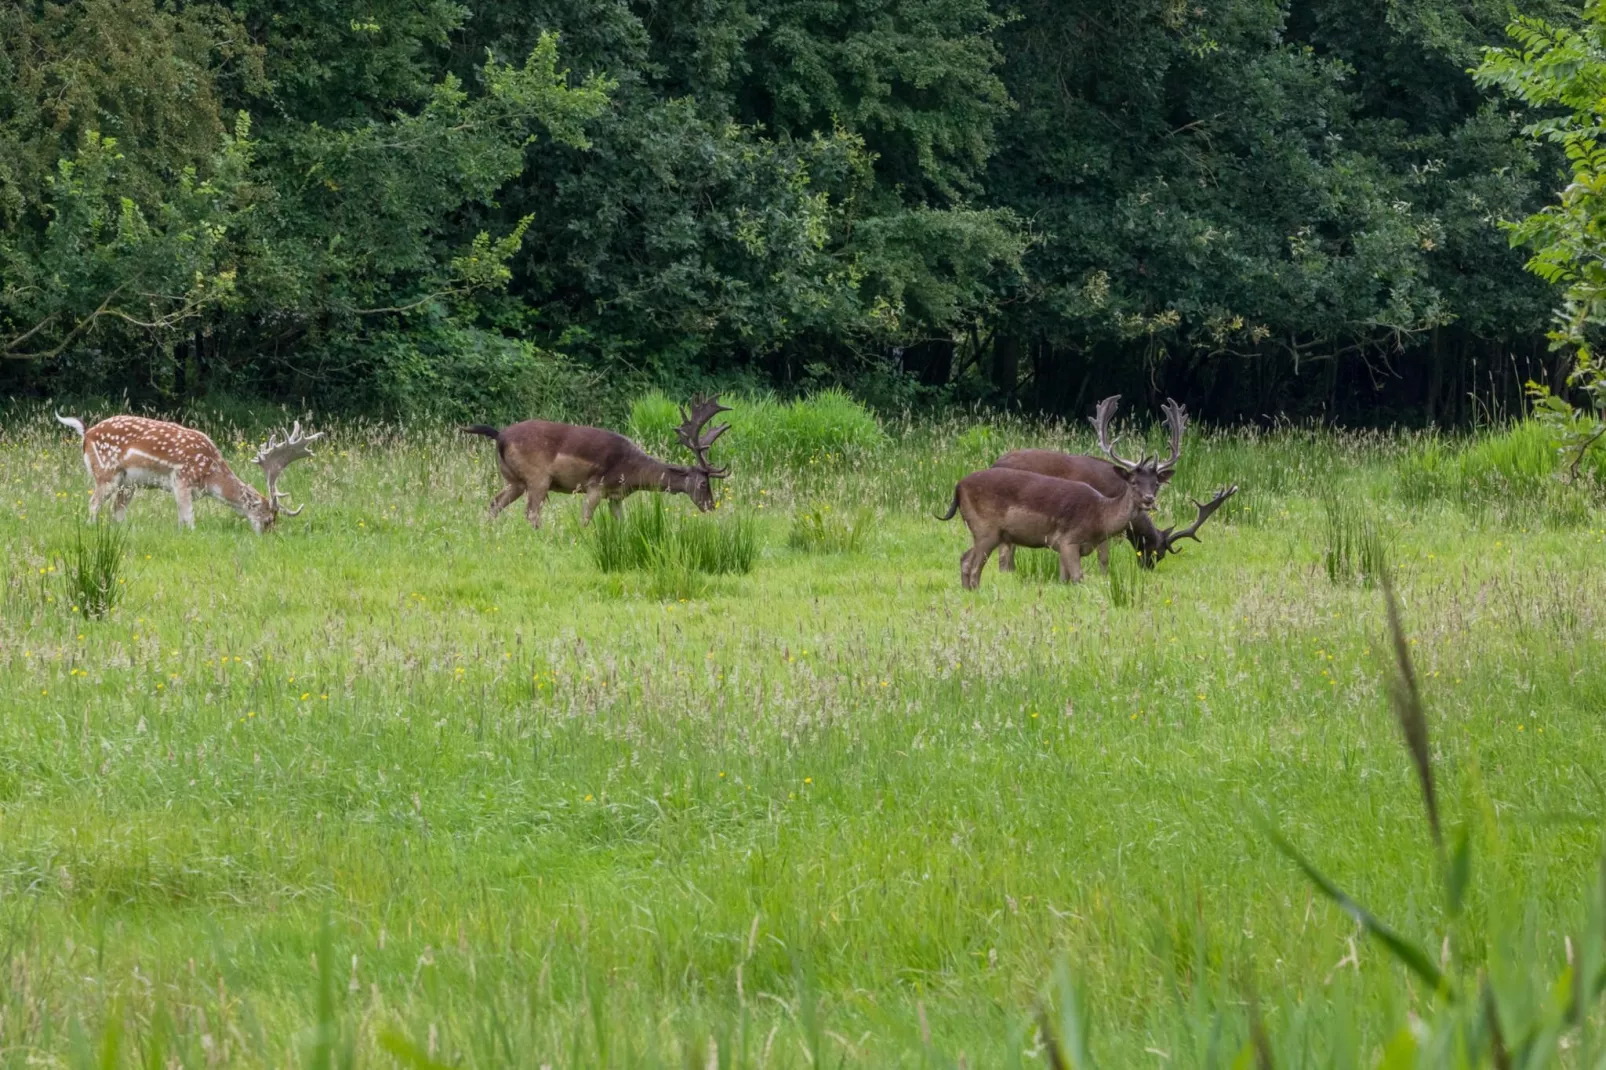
<point x="690" y="432"/>
<point x="276" y="456"/>
<point x="1101" y="427"/>
<point x="1170" y="536"/>
<point x="1176" y="418"/>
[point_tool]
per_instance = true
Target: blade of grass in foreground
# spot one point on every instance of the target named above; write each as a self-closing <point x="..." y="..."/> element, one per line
<point x="1413" y="957"/>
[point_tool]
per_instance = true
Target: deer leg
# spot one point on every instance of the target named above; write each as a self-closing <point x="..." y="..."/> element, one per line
<point x="533" y="503"/>
<point x="593" y="498"/>
<point x="1006" y="558"/>
<point x="617" y="508"/>
<point x="970" y="571"/>
<point x="1104" y="556"/>
<point x="1071" y="562"/>
<point x="505" y="497"/>
<point x="100" y="494"/>
<point x="186" y="505"/>
<point x="120" y="503"/>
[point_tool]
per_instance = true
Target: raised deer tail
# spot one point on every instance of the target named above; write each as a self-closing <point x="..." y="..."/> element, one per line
<point x="480" y="429"/>
<point x="72" y="422"/>
<point x="952" y="508"/>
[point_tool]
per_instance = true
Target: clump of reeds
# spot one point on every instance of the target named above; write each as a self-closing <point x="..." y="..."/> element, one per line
<point x="672" y="548"/>
<point x="1126" y="575"/>
<point x="91" y="570"/>
<point x="1355" y="551"/>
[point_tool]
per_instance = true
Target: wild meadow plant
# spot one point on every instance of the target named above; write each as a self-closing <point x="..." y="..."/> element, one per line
<point x="674" y="547"/>
<point x="92" y="568"/>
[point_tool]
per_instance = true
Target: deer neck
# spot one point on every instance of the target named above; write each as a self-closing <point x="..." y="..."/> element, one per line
<point x="230" y="489"/>
<point x="1119" y="510"/>
<point x="649" y="473"/>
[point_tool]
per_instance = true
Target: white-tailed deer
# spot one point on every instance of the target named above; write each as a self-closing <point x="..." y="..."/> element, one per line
<point x="1009" y="507"/>
<point x="124" y="453"/>
<point x="1104" y="476"/>
<point x="537" y="457"/>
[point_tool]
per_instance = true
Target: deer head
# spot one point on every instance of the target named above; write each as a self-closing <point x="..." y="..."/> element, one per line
<point x="1144" y="475"/>
<point x="274" y="458"/>
<point x="692" y="436"/>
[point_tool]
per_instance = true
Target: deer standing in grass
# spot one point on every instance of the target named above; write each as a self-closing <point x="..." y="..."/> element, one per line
<point x="124" y="453"/>
<point x="1009" y="507"/>
<point x="1104" y="476"/>
<point x="537" y="457"/>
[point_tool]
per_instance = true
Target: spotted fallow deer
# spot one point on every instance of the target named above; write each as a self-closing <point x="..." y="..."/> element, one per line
<point x="124" y="453"/>
<point x="1009" y="507"/>
<point x="537" y="457"/>
<point x="1104" y="475"/>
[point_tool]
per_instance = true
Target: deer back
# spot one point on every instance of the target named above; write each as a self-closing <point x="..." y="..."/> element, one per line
<point x="538" y="446"/>
<point x="1007" y="498"/>
<point x="1094" y="471"/>
<point x="125" y="442"/>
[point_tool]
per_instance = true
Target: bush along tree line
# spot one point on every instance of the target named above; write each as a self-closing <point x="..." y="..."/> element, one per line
<point x="553" y="204"/>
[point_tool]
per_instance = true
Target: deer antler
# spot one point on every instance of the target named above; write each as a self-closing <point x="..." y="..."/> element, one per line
<point x="276" y="456"/>
<point x="703" y="409"/>
<point x="1168" y="541"/>
<point x="1101" y="427"/>
<point x="1176" y="418"/>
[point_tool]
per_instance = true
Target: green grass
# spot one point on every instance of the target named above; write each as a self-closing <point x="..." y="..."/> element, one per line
<point x="816" y="529"/>
<point x="831" y="805"/>
<point x="650" y="536"/>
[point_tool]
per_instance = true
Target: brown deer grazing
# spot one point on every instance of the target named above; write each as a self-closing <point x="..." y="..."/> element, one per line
<point x="537" y="457"/>
<point x="1105" y="476"/>
<point x="124" y="453"/>
<point x="1005" y="506"/>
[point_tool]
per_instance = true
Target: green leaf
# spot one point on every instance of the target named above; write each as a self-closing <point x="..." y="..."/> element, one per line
<point x="1459" y="872"/>
<point x="1408" y="954"/>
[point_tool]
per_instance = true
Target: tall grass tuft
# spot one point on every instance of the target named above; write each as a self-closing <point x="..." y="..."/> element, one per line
<point x="1036" y="566"/>
<point x="818" y="530"/>
<point x="1355" y="551"/>
<point x="1127" y="575"/>
<point x="651" y="539"/>
<point x="92" y="577"/>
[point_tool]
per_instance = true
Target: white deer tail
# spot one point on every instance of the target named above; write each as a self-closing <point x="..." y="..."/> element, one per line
<point x="68" y="421"/>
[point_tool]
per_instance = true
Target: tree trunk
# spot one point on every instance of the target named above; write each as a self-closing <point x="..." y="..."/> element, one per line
<point x="1006" y="364"/>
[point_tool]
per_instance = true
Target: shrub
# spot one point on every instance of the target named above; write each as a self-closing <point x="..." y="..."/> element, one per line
<point x="767" y="431"/>
<point x="457" y="374"/>
<point x="1519" y="464"/>
<point x="820" y="531"/>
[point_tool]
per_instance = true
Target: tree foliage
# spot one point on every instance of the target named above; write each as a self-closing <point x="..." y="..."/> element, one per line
<point x="1562" y="70"/>
<point x="1254" y="203"/>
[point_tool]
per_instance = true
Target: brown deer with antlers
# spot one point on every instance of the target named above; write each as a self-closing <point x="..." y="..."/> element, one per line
<point x="1100" y="473"/>
<point x="124" y="453"/>
<point x="1009" y="507"/>
<point x="537" y="457"/>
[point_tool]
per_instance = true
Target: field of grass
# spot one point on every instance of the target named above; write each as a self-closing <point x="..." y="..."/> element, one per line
<point x="395" y="780"/>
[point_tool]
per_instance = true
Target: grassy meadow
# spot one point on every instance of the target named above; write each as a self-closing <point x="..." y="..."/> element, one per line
<point x="395" y="784"/>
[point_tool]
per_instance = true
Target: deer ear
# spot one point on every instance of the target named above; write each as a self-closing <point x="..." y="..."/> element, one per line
<point x="1165" y="477"/>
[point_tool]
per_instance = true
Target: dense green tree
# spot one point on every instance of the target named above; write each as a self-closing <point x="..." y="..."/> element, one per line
<point x="1254" y="204"/>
